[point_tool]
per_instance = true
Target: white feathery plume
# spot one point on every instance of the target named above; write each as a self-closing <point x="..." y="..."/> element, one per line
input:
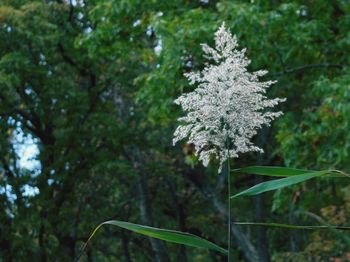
<point x="228" y="106"/>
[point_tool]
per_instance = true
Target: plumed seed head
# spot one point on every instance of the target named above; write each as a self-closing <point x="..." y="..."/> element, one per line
<point x="228" y="106"/>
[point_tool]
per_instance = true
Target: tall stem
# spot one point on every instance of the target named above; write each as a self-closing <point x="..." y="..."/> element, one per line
<point x="229" y="211"/>
<point x="228" y="201"/>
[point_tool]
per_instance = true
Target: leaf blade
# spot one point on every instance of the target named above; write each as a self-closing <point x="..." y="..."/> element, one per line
<point x="272" y="171"/>
<point x="288" y="226"/>
<point x="278" y="183"/>
<point x="277" y="171"/>
<point x="166" y="235"/>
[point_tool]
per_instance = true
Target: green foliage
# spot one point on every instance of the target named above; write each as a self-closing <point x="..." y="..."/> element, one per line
<point x="316" y="134"/>
<point x="85" y="82"/>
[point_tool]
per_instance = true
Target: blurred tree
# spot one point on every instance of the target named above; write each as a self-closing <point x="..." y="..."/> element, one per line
<point x="54" y="92"/>
<point x="93" y="82"/>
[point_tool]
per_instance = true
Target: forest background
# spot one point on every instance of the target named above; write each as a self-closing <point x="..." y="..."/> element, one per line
<point x="87" y="87"/>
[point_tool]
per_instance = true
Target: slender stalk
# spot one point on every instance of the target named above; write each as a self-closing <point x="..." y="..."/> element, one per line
<point x="228" y="201"/>
<point x="229" y="210"/>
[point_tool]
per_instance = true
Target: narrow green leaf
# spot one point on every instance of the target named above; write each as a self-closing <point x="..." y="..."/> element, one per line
<point x="164" y="234"/>
<point x="283" y="171"/>
<point x="278" y="183"/>
<point x="272" y="171"/>
<point x="287" y="226"/>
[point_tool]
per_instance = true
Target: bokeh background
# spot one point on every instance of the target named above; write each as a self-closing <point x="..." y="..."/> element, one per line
<point x="87" y="118"/>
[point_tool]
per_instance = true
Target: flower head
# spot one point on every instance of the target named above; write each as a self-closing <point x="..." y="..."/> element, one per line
<point x="228" y="106"/>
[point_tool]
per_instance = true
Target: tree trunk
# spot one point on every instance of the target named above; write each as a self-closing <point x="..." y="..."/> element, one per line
<point x="125" y="242"/>
<point x="180" y="219"/>
<point x="158" y="247"/>
<point x="249" y="251"/>
<point x="261" y="239"/>
<point x="213" y="197"/>
<point x="261" y="232"/>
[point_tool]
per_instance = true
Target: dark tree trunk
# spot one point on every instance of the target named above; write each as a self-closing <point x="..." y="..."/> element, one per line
<point x="125" y="243"/>
<point x="158" y="247"/>
<point x="213" y="197"/>
<point x="261" y="232"/>
<point x="249" y="251"/>
<point x="42" y="243"/>
<point x="261" y="238"/>
<point x="180" y="219"/>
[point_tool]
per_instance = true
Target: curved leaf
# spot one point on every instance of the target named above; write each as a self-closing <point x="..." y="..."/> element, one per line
<point x="272" y="171"/>
<point x="287" y="226"/>
<point x="282" y="171"/>
<point x="164" y="234"/>
<point x="278" y="183"/>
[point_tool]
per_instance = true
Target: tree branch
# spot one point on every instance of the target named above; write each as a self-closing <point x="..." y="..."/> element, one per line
<point x="307" y="67"/>
<point x="212" y="196"/>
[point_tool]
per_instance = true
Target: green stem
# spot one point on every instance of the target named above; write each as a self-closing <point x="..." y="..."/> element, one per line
<point x="229" y="210"/>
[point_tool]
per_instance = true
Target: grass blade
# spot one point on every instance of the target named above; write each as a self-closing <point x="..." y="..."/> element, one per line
<point x="278" y="183"/>
<point x="287" y="226"/>
<point x="163" y="234"/>
<point x="272" y="171"/>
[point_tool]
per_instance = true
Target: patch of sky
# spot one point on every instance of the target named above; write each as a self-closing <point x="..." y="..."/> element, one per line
<point x="302" y="11"/>
<point x="88" y="30"/>
<point x="26" y="148"/>
<point x="149" y="31"/>
<point x="42" y="60"/>
<point x="7" y="190"/>
<point x="136" y="23"/>
<point x="76" y="2"/>
<point x="158" y="48"/>
<point x="80" y="15"/>
<point x="28" y="90"/>
<point x="29" y="191"/>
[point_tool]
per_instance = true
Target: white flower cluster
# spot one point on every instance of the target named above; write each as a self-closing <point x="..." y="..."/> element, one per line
<point x="228" y="106"/>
